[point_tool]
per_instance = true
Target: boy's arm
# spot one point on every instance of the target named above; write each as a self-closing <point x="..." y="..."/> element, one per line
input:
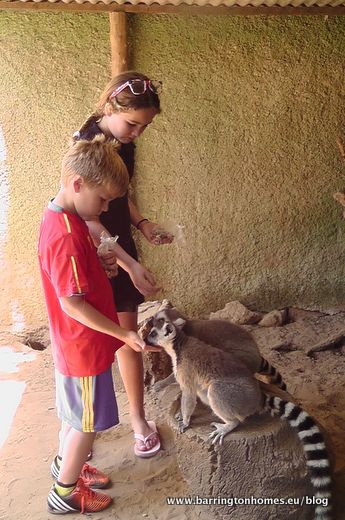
<point x="123" y="258"/>
<point x="141" y="277"/>
<point x="77" y="308"/>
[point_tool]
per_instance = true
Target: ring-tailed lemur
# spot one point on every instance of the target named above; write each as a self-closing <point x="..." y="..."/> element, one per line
<point x="226" y="385"/>
<point x="227" y="337"/>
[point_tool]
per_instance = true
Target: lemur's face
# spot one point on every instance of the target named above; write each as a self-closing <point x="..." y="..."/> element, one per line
<point x="162" y="330"/>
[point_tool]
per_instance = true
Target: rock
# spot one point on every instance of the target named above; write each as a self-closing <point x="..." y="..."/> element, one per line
<point x="274" y="319"/>
<point x="157" y="365"/>
<point x="259" y="461"/>
<point x="37" y="339"/>
<point x="236" y="312"/>
<point x="296" y="314"/>
<point x="148" y="309"/>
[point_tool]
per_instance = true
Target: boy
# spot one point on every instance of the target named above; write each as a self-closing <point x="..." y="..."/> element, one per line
<point x="82" y="318"/>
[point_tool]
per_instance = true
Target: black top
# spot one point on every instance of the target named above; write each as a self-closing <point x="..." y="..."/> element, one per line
<point x="118" y="222"/>
<point x="117" y="219"/>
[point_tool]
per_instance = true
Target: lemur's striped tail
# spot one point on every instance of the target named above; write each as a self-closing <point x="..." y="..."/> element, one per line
<point x="314" y="449"/>
<point x="269" y="370"/>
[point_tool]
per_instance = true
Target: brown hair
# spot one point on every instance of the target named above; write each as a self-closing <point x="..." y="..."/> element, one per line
<point x="126" y="100"/>
<point x="98" y="163"/>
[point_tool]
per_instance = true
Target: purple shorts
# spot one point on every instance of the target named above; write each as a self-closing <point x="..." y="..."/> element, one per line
<point x="87" y="403"/>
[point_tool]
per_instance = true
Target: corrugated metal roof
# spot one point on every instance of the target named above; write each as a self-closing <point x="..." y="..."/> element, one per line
<point x="177" y="3"/>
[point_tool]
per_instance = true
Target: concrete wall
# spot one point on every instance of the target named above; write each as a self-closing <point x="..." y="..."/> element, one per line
<point x="244" y="154"/>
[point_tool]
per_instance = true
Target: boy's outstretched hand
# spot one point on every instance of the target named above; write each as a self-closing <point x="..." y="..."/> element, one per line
<point x="134" y="341"/>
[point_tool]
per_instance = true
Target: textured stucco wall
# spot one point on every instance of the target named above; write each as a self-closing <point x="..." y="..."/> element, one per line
<point x="244" y="154"/>
<point x="50" y="69"/>
<point x="245" y="157"/>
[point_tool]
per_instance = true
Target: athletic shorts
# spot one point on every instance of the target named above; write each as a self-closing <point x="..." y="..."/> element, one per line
<point x="87" y="403"/>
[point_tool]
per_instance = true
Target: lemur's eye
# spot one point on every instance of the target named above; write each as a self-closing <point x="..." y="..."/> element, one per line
<point x="160" y="322"/>
<point x="153" y="333"/>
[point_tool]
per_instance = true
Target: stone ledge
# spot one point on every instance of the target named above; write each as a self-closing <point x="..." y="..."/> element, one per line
<point x="263" y="458"/>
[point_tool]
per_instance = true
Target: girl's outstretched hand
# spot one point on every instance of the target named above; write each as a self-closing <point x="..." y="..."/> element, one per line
<point x="155" y="234"/>
<point x="143" y="280"/>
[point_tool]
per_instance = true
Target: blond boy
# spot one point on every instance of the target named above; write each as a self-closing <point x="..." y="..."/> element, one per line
<point x="82" y="318"/>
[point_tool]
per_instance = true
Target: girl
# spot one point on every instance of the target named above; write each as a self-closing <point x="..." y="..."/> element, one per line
<point x="127" y="106"/>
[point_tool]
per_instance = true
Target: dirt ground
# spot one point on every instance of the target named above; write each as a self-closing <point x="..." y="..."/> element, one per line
<point x="29" y="427"/>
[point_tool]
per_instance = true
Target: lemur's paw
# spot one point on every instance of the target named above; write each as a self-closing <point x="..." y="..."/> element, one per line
<point x="221" y="430"/>
<point x="178" y="416"/>
<point x="217" y="435"/>
<point x="157" y="387"/>
<point x="182" y="427"/>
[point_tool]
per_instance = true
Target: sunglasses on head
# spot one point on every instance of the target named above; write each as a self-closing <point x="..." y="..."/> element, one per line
<point x="138" y="87"/>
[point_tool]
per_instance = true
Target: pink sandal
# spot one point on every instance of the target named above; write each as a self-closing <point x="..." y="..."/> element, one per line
<point x="89" y="456"/>
<point x="147" y="453"/>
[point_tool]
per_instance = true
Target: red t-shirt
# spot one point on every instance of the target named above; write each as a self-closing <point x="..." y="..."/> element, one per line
<point x="70" y="266"/>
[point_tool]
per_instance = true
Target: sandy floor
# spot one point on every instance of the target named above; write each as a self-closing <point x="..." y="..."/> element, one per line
<point x="139" y="486"/>
<point x="29" y="427"/>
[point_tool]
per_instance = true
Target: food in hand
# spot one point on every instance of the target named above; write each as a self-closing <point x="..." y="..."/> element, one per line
<point x="160" y="236"/>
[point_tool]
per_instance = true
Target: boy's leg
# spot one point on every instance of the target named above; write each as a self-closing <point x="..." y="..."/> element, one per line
<point x="70" y="494"/>
<point x="65" y="428"/>
<point x="76" y="447"/>
<point x="85" y="405"/>
<point x="132" y="373"/>
<point x="89" y="403"/>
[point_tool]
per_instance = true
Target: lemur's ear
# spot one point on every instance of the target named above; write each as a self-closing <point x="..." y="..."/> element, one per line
<point x="179" y="322"/>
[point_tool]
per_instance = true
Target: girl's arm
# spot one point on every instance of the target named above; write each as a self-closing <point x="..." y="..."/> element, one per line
<point x="142" y="278"/>
<point x="77" y="308"/>
<point x="147" y="227"/>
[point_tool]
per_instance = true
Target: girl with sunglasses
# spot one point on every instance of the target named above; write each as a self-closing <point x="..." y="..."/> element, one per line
<point x="128" y="104"/>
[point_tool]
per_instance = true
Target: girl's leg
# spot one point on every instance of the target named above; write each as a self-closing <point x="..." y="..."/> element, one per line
<point x="132" y="373"/>
<point x="76" y="447"/>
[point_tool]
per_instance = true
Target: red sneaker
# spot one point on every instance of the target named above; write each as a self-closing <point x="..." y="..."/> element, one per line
<point x="90" y="475"/>
<point x="81" y="500"/>
<point x="94" y="478"/>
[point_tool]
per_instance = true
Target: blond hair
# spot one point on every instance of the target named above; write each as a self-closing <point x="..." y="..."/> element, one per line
<point x="98" y="163"/>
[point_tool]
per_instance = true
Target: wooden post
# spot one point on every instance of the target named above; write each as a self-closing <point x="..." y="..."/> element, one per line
<point x="118" y="41"/>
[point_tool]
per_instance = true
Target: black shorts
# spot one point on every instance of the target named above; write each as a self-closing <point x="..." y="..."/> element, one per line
<point x="126" y="295"/>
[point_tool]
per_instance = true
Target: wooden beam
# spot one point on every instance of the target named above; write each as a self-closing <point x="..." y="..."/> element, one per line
<point x="87" y="7"/>
<point x="118" y="42"/>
